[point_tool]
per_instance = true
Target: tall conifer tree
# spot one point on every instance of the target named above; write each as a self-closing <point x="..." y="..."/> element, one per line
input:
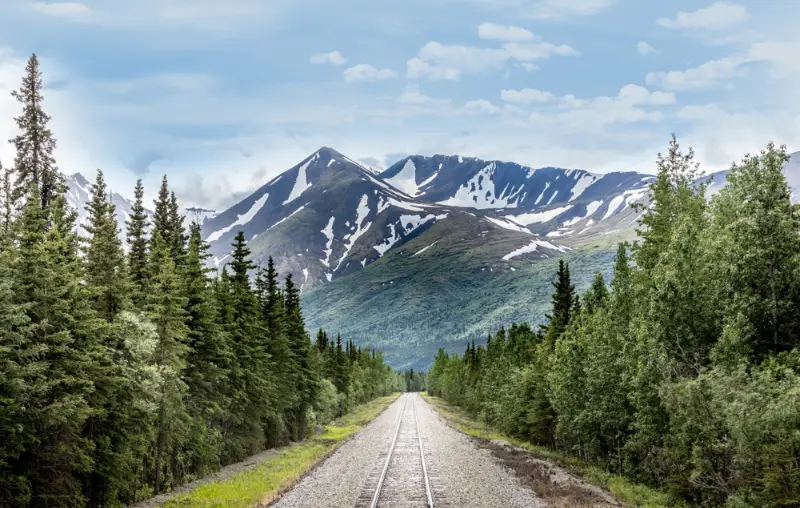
<point x="34" y="162"/>
<point x="106" y="275"/>
<point x="137" y="226"/>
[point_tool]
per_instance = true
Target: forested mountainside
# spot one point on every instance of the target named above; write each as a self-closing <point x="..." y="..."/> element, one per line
<point x="127" y="374"/>
<point x="681" y="372"/>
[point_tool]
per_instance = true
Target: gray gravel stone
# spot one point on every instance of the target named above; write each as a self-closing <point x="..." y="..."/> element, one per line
<point x="461" y="474"/>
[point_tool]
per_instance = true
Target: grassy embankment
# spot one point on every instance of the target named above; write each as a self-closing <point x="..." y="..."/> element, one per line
<point x="275" y="475"/>
<point x="626" y="491"/>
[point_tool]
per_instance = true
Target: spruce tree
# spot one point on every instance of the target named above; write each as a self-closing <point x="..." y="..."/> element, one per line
<point x="165" y="307"/>
<point x="137" y="242"/>
<point x="209" y="357"/>
<point x="177" y="232"/>
<point x="106" y="276"/>
<point x="7" y="203"/>
<point x="34" y="162"/>
<point x="162" y="222"/>
<point x="249" y="339"/>
<point x="54" y="353"/>
<point x="306" y="382"/>
<point x="563" y="302"/>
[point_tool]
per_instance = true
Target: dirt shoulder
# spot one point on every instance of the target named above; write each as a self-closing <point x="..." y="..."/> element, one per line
<point x="554" y="484"/>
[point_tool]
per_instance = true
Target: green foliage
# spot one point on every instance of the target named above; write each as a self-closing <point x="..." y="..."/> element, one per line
<point x="125" y="376"/>
<point x="685" y="375"/>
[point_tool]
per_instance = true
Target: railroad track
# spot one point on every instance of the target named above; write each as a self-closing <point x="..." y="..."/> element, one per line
<point x="401" y="476"/>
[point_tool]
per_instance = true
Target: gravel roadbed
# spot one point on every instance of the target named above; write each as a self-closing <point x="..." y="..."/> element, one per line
<point x="336" y="483"/>
<point x="467" y="476"/>
<point x="462" y="474"/>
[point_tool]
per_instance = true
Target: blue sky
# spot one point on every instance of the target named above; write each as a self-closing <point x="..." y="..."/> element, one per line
<point x="221" y="95"/>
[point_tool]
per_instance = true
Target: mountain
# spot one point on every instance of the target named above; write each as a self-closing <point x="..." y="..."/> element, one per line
<point x="432" y="251"/>
<point x="329" y="217"/>
<point x="574" y="206"/>
<point x="420" y="254"/>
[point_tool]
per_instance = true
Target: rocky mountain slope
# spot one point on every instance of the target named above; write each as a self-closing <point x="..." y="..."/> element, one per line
<point x="433" y="251"/>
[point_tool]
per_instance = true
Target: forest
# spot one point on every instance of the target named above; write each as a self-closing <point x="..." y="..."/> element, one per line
<point x="127" y="370"/>
<point x="683" y="373"/>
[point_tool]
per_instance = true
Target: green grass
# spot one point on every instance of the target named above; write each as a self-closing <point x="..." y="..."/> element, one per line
<point x="276" y="474"/>
<point x="625" y="490"/>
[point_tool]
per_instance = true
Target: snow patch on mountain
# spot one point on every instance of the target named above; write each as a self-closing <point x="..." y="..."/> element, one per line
<point x="406" y="179"/>
<point x="424" y="249"/>
<point x="583" y="183"/>
<point x="361" y="215"/>
<point x="407" y="224"/>
<point x="546" y="186"/>
<point x="538" y="217"/>
<point x="328" y="232"/>
<point x="241" y="219"/>
<point x="479" y="192"/>
<point x="508" y="224"/>
<point x="301" y="183"/>
<point x="534" y="246"/>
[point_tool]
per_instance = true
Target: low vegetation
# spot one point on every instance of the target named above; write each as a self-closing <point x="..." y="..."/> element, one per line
<point x="276" y="474"/>
<point x="684" y="375"/>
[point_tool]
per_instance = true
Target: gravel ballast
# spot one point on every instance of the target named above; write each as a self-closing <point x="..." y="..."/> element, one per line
<point x="461" y="474"/>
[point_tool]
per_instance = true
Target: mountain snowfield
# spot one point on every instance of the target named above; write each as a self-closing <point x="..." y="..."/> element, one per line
<point x="432" y="251"/>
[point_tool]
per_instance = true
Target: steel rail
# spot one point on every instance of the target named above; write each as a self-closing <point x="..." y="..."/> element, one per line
<point x="378" y="489"/>
<point x="422" y="456"/>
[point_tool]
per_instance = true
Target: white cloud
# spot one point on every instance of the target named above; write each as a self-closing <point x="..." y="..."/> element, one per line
<point x="635" y="95"/>
<point x="492" y="32"/>
<point x="717" y="16"/>
<point x="62" y="9"/>
<point x="413" y="96"/>
<point x="366" y="72"/>
<point x="644" y="48"/>
<point x="526" y="96"/>
<point x="703" y="76"/>
<point x="334" y="57"/>
<point x="480" y="106"/>
<point x="437" y="61"/>
<point x="529" y="66"/>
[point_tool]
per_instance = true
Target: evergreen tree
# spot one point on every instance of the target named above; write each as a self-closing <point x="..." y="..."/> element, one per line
<point x="106" y="275"/>
<point x="563" y="302"/>
<point x="209" y="358"/>
<point x="177" y="231"/>
<point x="165" y="307"/>
<point x="53" y="356"/>
<point x="137" y="241"/>
<point x="162" y="222"/>
<point x="253" y="379"/>
<point x="8" y="205"/>
<point x="34" y="162"/>
<point x="306" y="381"/>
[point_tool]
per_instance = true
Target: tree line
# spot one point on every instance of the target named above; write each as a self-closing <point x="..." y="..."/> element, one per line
<point x="684" y="373"/>
<point x="127" y="370"/>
